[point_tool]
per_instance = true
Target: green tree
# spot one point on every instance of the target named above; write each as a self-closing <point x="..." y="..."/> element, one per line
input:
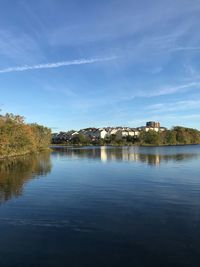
<point x="80" y="139"/>
<point x="171" y="137"/>
<point x="151" y="137"/>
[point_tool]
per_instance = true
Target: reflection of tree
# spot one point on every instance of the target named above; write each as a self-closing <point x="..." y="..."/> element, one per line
<point x="122" y="154"/>
<point x="17" y="171"/>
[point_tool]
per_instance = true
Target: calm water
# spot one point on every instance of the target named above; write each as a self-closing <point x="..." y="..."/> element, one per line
<point x="101" y="207"/>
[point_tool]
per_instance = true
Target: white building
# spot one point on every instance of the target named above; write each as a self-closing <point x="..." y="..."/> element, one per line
<point x="102" y="133"/>
<point x="128" y="132"/>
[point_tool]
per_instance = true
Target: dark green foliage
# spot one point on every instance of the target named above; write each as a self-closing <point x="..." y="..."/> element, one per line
<point x="151" y="138"/>
<point x="80" y="139"/>
<point x="170" y="137"/>
<point x="186" y="135"/>
<point x="176" y="136"/>
<point x="17" y="137"/>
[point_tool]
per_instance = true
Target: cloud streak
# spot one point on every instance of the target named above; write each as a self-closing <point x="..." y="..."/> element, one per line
<point x="82" y="61"/>
<point x="174" y="106"/>
<point x="167" y="90"/>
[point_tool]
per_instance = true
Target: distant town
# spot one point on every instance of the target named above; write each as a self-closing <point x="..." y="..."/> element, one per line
<point x="95" y="134"/>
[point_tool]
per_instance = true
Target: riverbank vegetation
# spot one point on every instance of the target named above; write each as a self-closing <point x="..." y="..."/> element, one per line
<point x="176" y="136"/>
<point x="19" y="138"/>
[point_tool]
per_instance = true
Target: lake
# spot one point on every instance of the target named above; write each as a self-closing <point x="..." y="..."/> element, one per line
<point x="101" y="206"/>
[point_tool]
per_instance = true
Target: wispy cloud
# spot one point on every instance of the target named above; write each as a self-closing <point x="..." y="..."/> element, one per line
<point x="184" y="48"/>
<point x="19" y="47"/>
<point x="173" y="89"/>
<point x="162" y="91"/>
<point x="58" y="64"/>
<point x="174" y="106"/>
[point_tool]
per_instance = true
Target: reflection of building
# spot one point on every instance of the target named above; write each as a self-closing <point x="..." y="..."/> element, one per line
<point x="157" y="159"/>
<point x="126" y="154"/>
<point x="149" y="156"/>
<point x="103" y="153"/>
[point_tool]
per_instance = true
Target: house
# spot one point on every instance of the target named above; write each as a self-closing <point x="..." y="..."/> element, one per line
<point x="101" y="133"/>
<point x="147" y="128"/>
<point x="74" y="133"/>
<point x="134" y="132"/>
<point x="127" y="132"/>
<point x="112" y="131"/>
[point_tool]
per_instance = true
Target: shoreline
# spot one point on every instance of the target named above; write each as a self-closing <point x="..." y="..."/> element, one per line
<point x="110" y="145"/>
<point x="50" y="148"/>
<point x="24" y="154"/>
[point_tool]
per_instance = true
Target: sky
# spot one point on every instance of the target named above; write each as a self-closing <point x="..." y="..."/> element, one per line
<point x="71" y="64"/>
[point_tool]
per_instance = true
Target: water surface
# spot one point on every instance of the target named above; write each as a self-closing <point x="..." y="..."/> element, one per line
<point x="101" y="207"/>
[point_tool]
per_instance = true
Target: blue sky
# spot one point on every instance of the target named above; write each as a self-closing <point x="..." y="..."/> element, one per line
<point x="74" y="64"/>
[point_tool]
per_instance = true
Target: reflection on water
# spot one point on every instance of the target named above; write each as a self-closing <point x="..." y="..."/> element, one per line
<point x="149" y="155"/>
<point x="86" y="212"/>
<point x="15" y="172"/>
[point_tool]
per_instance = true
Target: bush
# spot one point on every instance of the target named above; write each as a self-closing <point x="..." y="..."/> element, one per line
<point x="17" y="137"/>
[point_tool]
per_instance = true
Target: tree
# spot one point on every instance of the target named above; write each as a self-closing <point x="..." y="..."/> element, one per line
<point x="151" y="137"/>
<point x="17" y="137"/>
<point x="80" y="139"/>
<point x="171" y="137"/>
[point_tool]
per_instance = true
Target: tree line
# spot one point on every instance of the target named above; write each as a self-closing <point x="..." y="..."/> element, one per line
<point x="176" y="136"/>
<point x="18" y="137"/>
